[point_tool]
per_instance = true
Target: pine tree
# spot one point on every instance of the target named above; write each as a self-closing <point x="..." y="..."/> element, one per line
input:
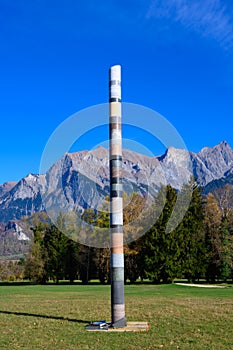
<point x="34" y="265"/>
<point x="212" y="225"/>
<point x="191" y="237"/>
<point x="71" y="259"/>
<point x="55" y="245"/>
<point x="156" y="251"/>
<point x="226" y="251"/>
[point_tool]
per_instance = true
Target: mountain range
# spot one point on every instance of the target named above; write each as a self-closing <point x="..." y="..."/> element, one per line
<point x="80" y="180"/>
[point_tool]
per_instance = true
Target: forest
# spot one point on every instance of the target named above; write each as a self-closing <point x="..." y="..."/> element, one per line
<point x="200" y="247"/>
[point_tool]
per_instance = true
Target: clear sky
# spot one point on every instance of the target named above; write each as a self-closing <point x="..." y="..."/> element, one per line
<point x="176" y="58"/>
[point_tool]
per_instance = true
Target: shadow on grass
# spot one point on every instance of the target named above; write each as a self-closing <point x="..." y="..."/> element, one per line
<point x="44" y="316"/>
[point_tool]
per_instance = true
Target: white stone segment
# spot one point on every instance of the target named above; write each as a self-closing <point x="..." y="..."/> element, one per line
<point x="116" y="134"/>
<point x="117" y="219"/>
<point x="115" y="91"/>
<point x="115" y="72"/>
<point x="117" y="260"/>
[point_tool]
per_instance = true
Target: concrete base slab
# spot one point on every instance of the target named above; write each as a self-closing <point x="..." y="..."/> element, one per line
<point x="131" y="327"/>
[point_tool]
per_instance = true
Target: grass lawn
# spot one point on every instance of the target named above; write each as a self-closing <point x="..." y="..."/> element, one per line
<point x="54" y="317"/>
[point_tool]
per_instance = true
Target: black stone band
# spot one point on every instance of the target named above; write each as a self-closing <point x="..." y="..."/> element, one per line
<point x="115" y="163"/>
<point x="116" y="194"/>
<point x="116" y="180"/>
<point x="116" y="228"/>
<point x="115" y="157"/>
<point x="114" y="99"/>
<point x="114" y="82"/>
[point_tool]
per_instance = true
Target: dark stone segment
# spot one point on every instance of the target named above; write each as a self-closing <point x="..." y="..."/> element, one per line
<point x="118" y="292"/>
<point x="114" y="99"/>
<point x="116" y="194"/>
<point x="116" y="228"/>
<point x="114" y="82"/>
<point x="115" y="163"/>
<point x="115" y="157"/>
<point x="116" y="180"/>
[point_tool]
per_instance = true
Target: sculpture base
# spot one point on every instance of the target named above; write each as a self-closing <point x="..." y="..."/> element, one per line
<point x="130" y="327"/>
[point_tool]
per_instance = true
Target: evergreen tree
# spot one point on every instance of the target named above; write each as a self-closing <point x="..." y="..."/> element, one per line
<point x="156" y="250"/>
<point x="34" y="265"/>
<point x="191" y="238"/>
<point x="132" y="262"/>
<point x="226" y="251"/>
<point x="55" y="245"/>
<point x="88" y="255"/>
<point x="212" y="225"/>
<point x="71" y="259"/>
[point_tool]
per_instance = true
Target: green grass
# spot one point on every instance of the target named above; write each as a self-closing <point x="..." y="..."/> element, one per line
<point x="54" y="317"/>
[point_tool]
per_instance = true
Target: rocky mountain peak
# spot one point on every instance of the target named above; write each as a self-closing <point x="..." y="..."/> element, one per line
<point x="100" y="152"/>
<point x="174" y="154"/>
<point x="222" y="148"/>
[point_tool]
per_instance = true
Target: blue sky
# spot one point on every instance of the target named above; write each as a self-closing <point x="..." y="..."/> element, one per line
<point x="176" y="58"/>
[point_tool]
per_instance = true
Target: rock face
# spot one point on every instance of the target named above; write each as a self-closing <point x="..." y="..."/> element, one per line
<point x="80" y="180"/>
<point x="17" y="231"/>
<point x="23" y="199"/>
<point x="219" y="183"/>
<point x="15" y="238"/>
<point x="6" y="187"/>
<point x="212" y="163"/>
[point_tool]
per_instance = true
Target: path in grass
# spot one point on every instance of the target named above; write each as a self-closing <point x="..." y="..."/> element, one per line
<point x="54" y="317"/>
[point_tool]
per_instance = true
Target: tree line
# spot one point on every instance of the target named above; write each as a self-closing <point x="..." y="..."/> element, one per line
<point x="200" y="247"/>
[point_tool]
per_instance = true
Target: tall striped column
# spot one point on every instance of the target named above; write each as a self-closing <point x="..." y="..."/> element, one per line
<point x="116" y="201"/>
